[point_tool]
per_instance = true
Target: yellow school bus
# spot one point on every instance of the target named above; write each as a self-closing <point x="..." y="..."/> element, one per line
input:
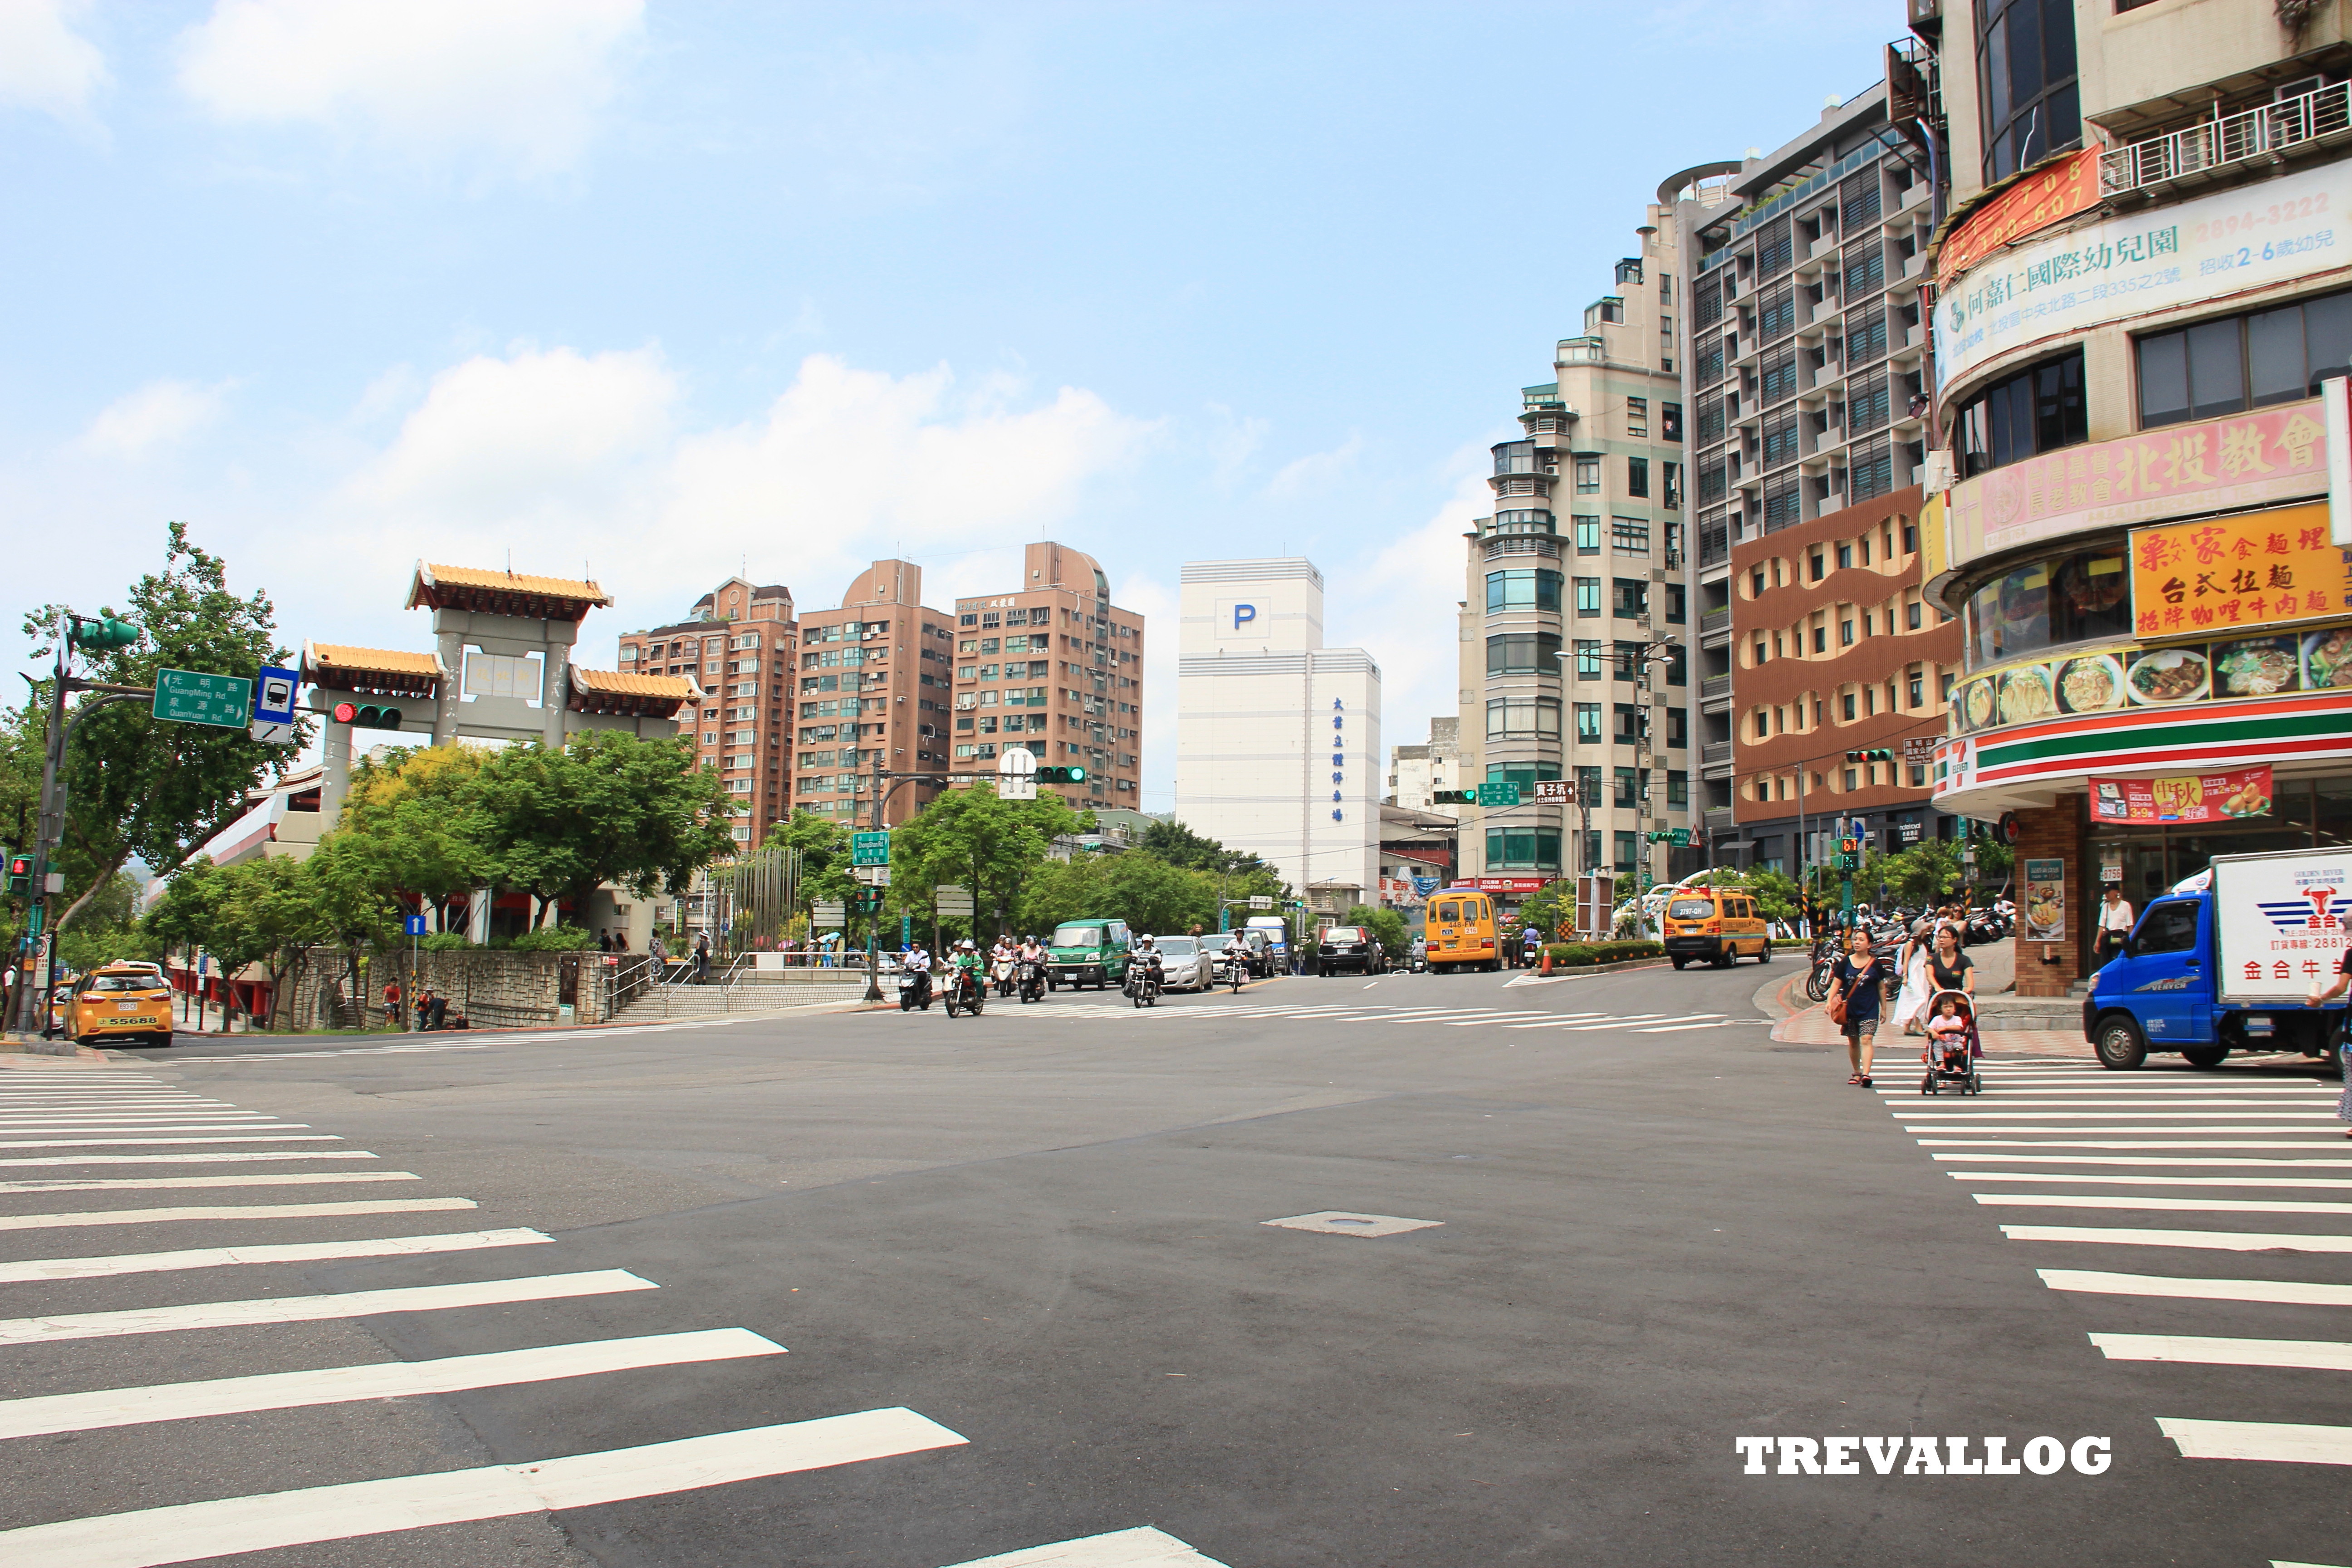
<point x="1460" y="931"/>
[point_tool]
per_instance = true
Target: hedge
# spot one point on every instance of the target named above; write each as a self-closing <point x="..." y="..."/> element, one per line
<point x="1579" y="955"/>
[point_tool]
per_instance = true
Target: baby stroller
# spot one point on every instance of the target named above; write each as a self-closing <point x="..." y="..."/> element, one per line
<point x="1952" y="1056"/>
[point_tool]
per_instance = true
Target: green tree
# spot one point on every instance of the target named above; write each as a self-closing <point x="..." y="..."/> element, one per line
<point x="257" y="913"/>
<point x="139" y="786"/>
<point x="604" y="807"/>
<point x="971" y="838"/>
<point x="823" y="845"/>
<point x="410" y="828"/>
<point x="1179" y="845"/>
<point x="1387" y="925"/>
<point x="1142" y="889"/>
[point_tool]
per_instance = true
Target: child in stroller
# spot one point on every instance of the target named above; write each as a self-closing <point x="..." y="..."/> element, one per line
<point x="1953" y="1046"/>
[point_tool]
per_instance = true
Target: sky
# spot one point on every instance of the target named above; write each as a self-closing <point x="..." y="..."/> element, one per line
<point x="662" y="291"/>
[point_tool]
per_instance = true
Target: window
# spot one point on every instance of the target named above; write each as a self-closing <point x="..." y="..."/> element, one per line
<point x="2243" y="362"/>
<point x="2167" y="928"/>
<point x="1865" y="336"/>
<point x="1672" y="497"/>
<point x="1846" y="632"/>
<point x="1588" y="476"/>
<point x="1629" y="788"/>
<point x="1523" y="653"/>
<point x="2072" y="598"/>
<point x="1865" y="271"/>
<point x="1588" y="723"/>
<point x="1522" y="590"/>
<point x="1677" y="729"/>
<point x="1821" y="640"/>
<point x="1781" y="502"/>
<point x="1763" y="725"/>
<point x="1911" y="615"/>
<point x="1759" y="652"/>
<point x="1677" y="788"/>
<point x="1776" y="313"/>
<point x="1631" y="535"/>
<point x="1625" y="861"/>
<point x="1637" y="418"/>
<point x="1849" y="777"/>
<point x="1817" y="563"/>
<point x="1776" y="381"/>
<point x="2038" y="409"/>
<point x="1637" y="477"/>
<point x="1845" y="556"/>
<point x="1870" y="468"/>
<point x="1778" y="443"/>
<point x="1588" y="534"/>
<point x="1632" y="598"/>
<point x="1677" y="602"/>
<point x="1714" y="479"/>
<point x="1626" y="658"/>
<point x="2025" y="83"/>
<point x="1710" y="417"/>
<point x="1918" y="688"/>
<point x="1522" y="717"/>
<point x="1588" y="596"/>
<point x="1678" y="666"/>
<point x="1523" y="849"/>
<point x="1845" y="707"/>
<point x="1868" y="406"/>
<point x="1588" y="658"/>
<point x="1632" y="723"/>
<point x="1670" y="422"/>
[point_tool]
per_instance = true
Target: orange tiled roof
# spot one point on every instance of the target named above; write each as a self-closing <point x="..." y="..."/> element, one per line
<point x="320" y="657"/>
<point x="625" y="683"/>
<point x="502" y="593"/>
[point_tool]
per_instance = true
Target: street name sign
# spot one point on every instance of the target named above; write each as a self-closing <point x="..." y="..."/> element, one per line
<point x="192" y="697"/>
<point x="1499" y="795"/>
<point x="1555" y="792"/>
<point x="869" y="849"/>
<point x="1261" y="900"/>
<point x="827" y="916"/>
<point x="952" y="902"/>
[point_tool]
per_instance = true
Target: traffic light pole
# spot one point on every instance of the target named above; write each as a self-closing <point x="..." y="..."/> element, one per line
<point x="40" y="937"/>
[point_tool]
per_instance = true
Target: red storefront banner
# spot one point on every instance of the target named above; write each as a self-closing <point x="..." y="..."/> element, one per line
<point x="2191" y="797"/>
<point x="1510" y="884"/>
<point x="2057" y="190"/>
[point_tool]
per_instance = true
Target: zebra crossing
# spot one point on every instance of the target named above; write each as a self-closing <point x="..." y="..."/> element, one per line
<point x="428" y="1044"/>
<point x="1433" y="1016"/>
<point x="80" y="1117"/>
<point x="2234" y="1148"/>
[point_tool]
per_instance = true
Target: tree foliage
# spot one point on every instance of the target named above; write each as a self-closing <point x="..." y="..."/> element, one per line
<point x="258" y="911"/>
<point x="137" y="785"/>
<point x="973" y="839"/>
<point x="823" y="845"/>
<point x="1179" y="845"/>
<point x="1387" y="925"/>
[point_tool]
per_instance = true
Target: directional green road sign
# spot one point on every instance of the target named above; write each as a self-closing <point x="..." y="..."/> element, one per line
<point x="189" y="697"/>
<point x="1499" y="795"/>
<point x="869" y="849"/>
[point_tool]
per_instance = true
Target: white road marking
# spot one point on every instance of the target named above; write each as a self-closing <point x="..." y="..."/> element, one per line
<point x="385" y="1380"/>
<point x="130" y="1142"/>
<point x="2169" y="1164"/>
<point x="1145" y="1548"/>
<point x="2310" y="1355"/>
<point x="1556" y="1020"/>
<point x="2112" y="1144"/>
<point x="221" y="1157"/>
<point x="1948" y="1125"/>
<point x="104" y="1127"/>
<point x="1956" y="1114"/>
<point x="2103" y="1179"/>
<point x="1683" y="1028"/>
<point x="2278" y="1442"/>
<point x="2171" y="1205"/>
<point x="269" y="1521"/>
<point x="190" y="1183"/>
<point x="2288" y="1292"/>
<point x="317" y="1308"/>
<point x="2207" y="1241"/>
<point x="1618" y="1022"/>
<point x="35" y="1269"/>
<point x="232" y="1211"/>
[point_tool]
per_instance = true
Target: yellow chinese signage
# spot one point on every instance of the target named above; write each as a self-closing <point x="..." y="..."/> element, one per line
<point x="2259" y="569"/>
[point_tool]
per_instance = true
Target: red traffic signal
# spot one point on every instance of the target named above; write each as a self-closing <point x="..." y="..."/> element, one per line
<point x="367" y="715"/>
<point x="20" y="873"/>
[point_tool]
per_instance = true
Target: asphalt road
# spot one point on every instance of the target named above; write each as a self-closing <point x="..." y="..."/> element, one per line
<point x="1039" y="1236"/>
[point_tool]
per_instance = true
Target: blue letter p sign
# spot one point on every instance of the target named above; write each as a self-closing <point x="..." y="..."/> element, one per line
<point x="1244" y="615"/>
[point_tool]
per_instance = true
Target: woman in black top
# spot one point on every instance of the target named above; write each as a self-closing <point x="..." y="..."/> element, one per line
<point x="1948" y="967"/>
<point x="1859" y="974"/>
<point x="2320" y="996"/>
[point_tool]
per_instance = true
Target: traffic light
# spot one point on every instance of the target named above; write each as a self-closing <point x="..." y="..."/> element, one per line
<point x="1061" y="775"/>
<point x="20" y="876"/>
<point x="104" y="633"/>
<point x="1453" y="797"/>
<point x="368" y="716"/>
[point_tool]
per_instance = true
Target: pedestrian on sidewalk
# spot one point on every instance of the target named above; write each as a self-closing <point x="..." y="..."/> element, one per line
<point x="2320" y="996"/>
<point x="1854" y="996"/>
<point x="424" y="1001"/>
<point x="701" y="957"/>
<point x="2115" y="925"/>
<point x="391" y="1002"/>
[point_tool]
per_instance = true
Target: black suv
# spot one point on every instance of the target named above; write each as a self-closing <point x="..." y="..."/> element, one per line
<point x="1350" y="950"/>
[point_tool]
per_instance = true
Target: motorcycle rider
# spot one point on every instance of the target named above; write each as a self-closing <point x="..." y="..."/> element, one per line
<point x="1237" y="952"/>
<point x="1148" y="955"/>
<point x="918" y="964"/>
<point x="966" y="964"/>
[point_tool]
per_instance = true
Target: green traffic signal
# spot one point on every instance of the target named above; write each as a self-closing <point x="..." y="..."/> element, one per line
<point x="1061" y="775"/>
<point x="106" y="632"/>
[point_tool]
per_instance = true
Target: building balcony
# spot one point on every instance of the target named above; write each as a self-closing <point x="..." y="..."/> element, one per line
<point x="2203" y="154"/>
<point x="1714" y="693"/>
<point x="1581" y="351"/>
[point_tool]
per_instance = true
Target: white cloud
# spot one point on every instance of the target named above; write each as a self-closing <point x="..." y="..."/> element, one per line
<point x="1316" y="468"/>
<point x="44" y="65"/>
<point x="158" y="415"/>
<point x="522" y="81"/>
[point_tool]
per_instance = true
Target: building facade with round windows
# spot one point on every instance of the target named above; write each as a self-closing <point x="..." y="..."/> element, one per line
<point x="2133" y="338"/>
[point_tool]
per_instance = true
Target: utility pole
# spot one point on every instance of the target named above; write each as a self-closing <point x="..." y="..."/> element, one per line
<point x="40" y="937"/>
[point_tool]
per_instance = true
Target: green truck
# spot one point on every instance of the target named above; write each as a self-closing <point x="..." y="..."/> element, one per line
<point x="1095" y="953"/>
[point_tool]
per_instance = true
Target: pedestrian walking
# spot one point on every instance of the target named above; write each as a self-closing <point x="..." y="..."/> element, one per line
<point x="604" y="939"/>
<point x="1911" y="1003"/>
<point x="1949" y="968"/>
<point x="701" y="957"/>
<point x="2320" y="996"/>
<point x="2115" y="925"/>
<point x="1854" y="996"/>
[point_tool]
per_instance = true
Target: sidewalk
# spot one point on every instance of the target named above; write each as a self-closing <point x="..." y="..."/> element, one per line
<point x="1807" y="1023"/>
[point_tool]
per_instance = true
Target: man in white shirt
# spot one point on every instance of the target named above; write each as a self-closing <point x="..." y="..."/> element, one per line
<point x="2115" y="924"/>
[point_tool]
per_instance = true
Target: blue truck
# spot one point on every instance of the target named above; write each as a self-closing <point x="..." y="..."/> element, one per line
<point x="2225" y="960"/>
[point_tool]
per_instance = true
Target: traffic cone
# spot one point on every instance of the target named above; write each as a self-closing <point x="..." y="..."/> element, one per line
<point x="1547" y="961"/>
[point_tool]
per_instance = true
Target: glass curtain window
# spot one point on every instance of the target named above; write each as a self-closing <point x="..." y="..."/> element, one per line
<point x="1522" y="590"/>
<point x="2038" y="409"/>
<point x="1523" y="653"/>
<point x="2027" y="95"/>
<point x="2212" y="368"/>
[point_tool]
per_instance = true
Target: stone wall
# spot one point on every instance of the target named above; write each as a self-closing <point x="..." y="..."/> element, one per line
<point x="493" y="988"/>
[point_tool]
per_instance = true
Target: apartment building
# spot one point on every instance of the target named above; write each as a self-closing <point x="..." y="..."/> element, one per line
<point x="1574" y="632"/>
<point x="1053" y="661"/>
<point x="1807" y="370"/>
<point x="874" y="678"/>
<point x="738" y="646"/>
<point x="2141" y="304"/>
<point x="1416" y="774"/>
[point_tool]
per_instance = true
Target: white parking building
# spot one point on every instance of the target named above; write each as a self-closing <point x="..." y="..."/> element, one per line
<point x="1277" y="737"/>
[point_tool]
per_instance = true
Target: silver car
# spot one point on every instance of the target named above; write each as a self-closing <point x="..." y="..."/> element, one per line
<point x="1185" y="964"/>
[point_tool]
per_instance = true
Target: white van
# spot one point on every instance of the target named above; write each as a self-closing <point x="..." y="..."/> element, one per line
<point x="1277" y="941"/>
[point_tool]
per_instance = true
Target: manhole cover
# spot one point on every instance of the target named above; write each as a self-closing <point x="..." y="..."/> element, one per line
<point x="1345" y="1222"/>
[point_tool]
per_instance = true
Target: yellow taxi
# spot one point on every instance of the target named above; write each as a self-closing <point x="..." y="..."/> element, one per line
<point x="119" y="1001"/>
<point x="1721" y="925"/>
<point x="1460" y="931"/>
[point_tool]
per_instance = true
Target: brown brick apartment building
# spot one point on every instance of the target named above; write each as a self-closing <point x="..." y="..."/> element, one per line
<point x="738" y="648"/>
<point x="1055" y="664"/>
<point x="1834" y="650"/>
<point x="874" y="674"/>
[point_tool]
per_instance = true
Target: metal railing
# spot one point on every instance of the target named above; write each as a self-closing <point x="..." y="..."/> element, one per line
<point x="2232" y="139"/>
<point x="1715" y="752"/>
<point x="1714" y="685"/>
